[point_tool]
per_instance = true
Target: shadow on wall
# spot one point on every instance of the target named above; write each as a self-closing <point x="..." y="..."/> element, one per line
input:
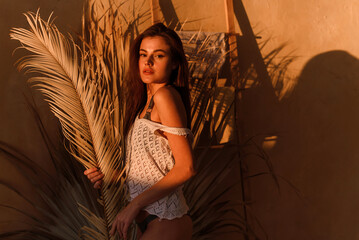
<point x="170" y="15"/>
<point x="315" y="148"/>
<point x="322" y="131"/>
<point x="317" y="151"/>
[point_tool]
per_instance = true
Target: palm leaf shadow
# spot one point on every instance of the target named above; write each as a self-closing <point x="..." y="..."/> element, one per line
<point x="207" y="206"/>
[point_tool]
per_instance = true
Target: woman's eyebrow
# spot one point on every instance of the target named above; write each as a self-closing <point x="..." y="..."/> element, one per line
<point x="157" y="50"/>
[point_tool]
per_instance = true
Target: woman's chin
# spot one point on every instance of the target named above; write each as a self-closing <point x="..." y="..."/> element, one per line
<point x="149" y="80"/>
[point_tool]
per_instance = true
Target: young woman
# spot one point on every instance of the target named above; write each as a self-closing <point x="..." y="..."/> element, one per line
<point x="158" y="147"/>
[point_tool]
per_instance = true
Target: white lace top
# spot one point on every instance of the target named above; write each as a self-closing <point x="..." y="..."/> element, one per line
<point x="150" y="159"/>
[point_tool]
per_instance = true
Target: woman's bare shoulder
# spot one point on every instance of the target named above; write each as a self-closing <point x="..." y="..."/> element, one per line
<point x="167" y="93"/>
<point x="170" y="107"/>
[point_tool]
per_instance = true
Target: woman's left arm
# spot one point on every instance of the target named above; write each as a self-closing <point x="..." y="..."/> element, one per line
<point x="172" y="113"/>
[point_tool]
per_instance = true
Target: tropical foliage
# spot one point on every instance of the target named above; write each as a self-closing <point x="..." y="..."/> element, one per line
<point x="81" y="94"/>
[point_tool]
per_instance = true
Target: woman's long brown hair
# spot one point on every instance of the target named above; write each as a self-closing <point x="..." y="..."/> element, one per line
<point x="136" y="95"/>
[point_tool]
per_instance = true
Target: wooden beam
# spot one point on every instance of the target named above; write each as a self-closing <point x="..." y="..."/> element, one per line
<point x="229" y="11"/>
<point x="155" y="11"/>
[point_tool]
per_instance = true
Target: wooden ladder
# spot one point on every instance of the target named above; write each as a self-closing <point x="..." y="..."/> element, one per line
<point x="232" y="38"/>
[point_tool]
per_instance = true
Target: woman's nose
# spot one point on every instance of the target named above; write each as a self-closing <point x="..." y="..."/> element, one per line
<point x="149" y="61"/>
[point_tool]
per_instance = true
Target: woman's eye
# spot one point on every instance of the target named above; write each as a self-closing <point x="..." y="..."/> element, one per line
<point x="159" y="56"/>
<point x="142" y="55"/>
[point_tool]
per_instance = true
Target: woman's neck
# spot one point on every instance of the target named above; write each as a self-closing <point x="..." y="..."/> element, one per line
<point x="152" y="89"/>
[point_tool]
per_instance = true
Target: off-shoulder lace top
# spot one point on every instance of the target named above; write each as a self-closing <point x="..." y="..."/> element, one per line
<point x="150" y="159"/>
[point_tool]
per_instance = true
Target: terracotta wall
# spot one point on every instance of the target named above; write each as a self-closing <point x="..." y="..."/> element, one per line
<point x="305" y="120"/>
<point x="314" y="117"/>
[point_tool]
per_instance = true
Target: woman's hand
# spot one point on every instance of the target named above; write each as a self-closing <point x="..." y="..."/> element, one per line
<point x="124" y="219"/>
<point x="95" y="176"/>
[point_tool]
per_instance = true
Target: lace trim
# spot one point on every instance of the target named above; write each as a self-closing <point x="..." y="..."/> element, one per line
<point x="173" y="130"/>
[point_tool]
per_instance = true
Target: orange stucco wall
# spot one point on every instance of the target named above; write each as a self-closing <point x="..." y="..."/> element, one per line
<point x="316" y="123"/>
<point x="308" y="123"/>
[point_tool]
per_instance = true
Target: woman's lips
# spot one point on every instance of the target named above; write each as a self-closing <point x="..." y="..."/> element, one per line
<point x="147" y="71"/>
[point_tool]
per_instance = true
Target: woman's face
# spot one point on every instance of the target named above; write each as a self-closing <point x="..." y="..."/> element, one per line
<point x="155" y="61"/>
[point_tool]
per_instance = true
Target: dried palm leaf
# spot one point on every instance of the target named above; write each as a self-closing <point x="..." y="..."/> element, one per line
<point x="83" y="107"/>
<point x="206" y="55"/>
